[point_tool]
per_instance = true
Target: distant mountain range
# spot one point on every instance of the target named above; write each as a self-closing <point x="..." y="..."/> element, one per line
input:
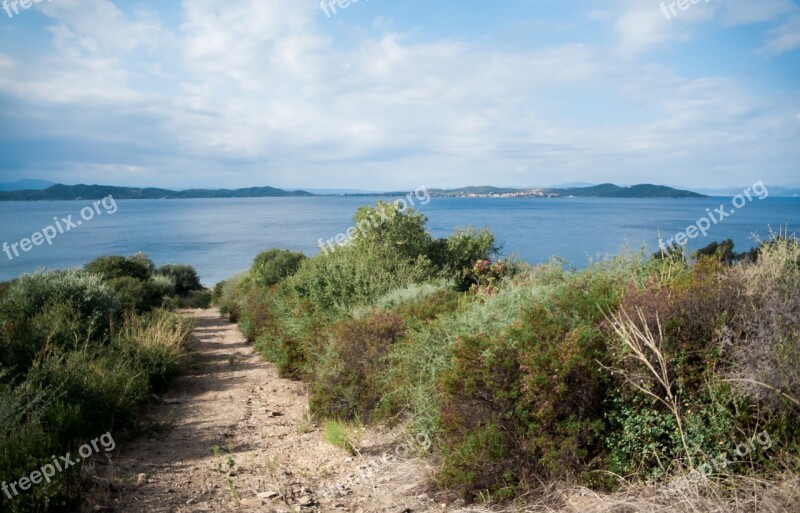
<point x="606" y="190"/>
<point x="38" y="190"/>
<point x="89" y="192"/>
<point x="25" y="184"/>
<point x="93" y="192"/>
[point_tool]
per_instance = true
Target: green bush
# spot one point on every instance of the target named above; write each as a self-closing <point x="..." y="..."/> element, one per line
<point x="136" y="294"/>
<point x="198" y="299"/>
<point x="457" y="254"/>
<point x="73" y="394"/>
<point x="350" y="378"/>
<point x="399" y="233"/>
<point x="70" y="368"/>
<point x="538" y="387"/>
<point x="688" y="312"/>
<point x="529" y="380"/>
<point x="162" y="286"/>
<point x="255" y="313"/>
<point x="480" y="463"/>
<point x="228" y="295"/>
<point x="32" y="293"/>
<point x="24" y="445"/>
<point x="274" y="265"/>
<point x="59" y="307"/>
<point x="98" y="390"/>
<point x="216" y="295"/>
<point x="436" y="324"/>
<point x="485" y="276"/>
<point x="183" y="276"/>
<point x="353" y="276"/>
<point x="425" y="307"/>
<point x="139" y="267"/>
<point x="288" y="331"/>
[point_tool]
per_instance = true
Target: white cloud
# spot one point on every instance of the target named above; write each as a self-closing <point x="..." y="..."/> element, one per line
<point x="643" y="26"/>
<point x="257" y="89"/>
<point x="746" y="12"/>
<point x="783" y="38"/>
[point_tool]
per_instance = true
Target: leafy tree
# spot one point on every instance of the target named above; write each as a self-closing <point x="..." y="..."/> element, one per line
<point x="384" y="226"/>
<point x="456" y="255"/>
<point x="722" y="250"/>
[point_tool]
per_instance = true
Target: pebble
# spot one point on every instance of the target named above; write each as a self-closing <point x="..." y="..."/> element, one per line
<point x="253" y="503"/>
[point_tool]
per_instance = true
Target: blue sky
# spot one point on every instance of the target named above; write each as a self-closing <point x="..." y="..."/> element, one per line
<point x="389" y="94"/>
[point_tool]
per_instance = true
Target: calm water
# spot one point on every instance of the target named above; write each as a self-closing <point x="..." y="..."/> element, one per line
<point x="221" y="237"/>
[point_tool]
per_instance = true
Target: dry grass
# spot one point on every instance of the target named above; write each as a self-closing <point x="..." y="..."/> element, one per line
<point x="725" y="495"/>
<point x="159" y="342"/>
<point x="776" y="268"/>
<point x="160" y="331"/>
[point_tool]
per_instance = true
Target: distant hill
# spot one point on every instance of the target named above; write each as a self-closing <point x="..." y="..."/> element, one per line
<point x="609" y="190"/>
<point x="86" y="192"/>
<point x="91" y="192"/>
<point x="606" y="190"/>
<point x="25" y="184"/>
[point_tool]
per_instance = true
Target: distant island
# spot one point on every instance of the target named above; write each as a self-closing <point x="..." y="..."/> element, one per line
<point x="59" y="192"/>
<point x="606" y="190"/>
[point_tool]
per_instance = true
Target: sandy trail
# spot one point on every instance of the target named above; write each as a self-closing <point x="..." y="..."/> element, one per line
<point x="238" y="438"/>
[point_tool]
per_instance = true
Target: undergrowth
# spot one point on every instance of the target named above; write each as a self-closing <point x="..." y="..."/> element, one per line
<point x="635" y="370"/>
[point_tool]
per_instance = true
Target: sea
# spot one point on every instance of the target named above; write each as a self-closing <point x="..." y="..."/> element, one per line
<point x="220" y="237"/>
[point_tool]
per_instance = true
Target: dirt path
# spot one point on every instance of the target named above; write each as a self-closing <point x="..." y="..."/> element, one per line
<point x="238" y="438"/>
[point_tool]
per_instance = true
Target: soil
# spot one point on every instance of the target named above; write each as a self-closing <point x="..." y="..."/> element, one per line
<point x="237" y="437"/>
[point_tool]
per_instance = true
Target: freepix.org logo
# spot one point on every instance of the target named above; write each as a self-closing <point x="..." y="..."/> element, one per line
<point x="48" y="471"/>
<point x="12" y="7"/>
<point x="60" y="227"/>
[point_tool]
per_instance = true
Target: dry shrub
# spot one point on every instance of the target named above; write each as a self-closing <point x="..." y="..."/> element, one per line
<point x="776" y="268"/>
<point x="352" y="372"/>
<point x="695" y="309"/>
<point x="766" y="352"/>
<point x="674" y="338"/>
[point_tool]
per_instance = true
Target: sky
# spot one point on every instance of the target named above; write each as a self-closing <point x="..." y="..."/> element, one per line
<point x="393" y="95"/>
